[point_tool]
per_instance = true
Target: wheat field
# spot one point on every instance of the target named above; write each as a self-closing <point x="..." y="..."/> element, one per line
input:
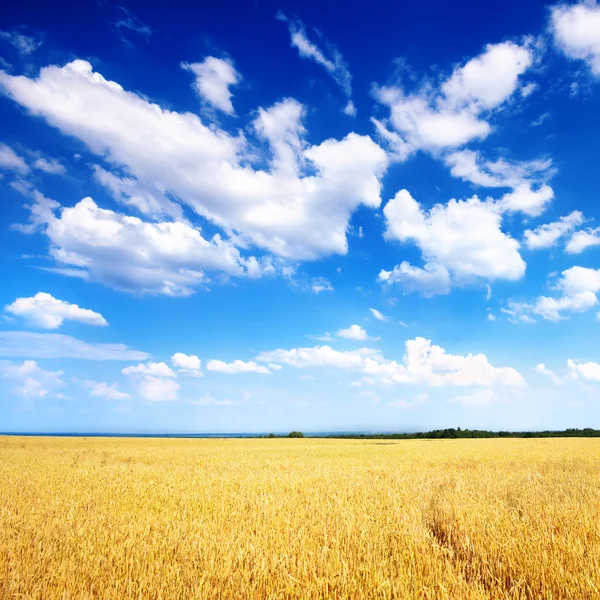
<point x="261" y="518"/>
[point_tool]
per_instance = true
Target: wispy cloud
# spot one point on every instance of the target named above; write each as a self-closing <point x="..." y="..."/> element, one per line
<point x="25" y="44"/>
<point x="129" y="23"/>
<point x="329" y="58"/>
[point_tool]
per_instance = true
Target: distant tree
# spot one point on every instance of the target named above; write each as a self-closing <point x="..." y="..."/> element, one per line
<point x="295" y="434"/>
<point x="271" y="435"/>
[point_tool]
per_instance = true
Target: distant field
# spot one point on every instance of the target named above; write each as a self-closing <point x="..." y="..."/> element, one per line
<point x="282" y="518"/>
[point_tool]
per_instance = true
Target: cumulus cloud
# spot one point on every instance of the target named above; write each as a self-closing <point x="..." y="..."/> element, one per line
<point x="460" y="241"/>
<point x="11" y="161"/>
<point x="237" y="366"/>
<point x="128" y="253"/>
<point x="354" y="332"/>
<point x="447" y="116"/>
<point x="104" y="390"/>
<point x="187" y="364"/>
<point x="31" y="381"/>
<point x="588" y="370"/>
<point x="330" y="58"/>
<point x="546" y="236"/>
<point x="423" y="362"/>
<point x="577" y="287"/>
<point x="214" y="76"/>
<point x="43" y="310"/>
<point x="297" y="211"/>
<point x="581" y="240"/>
<point x="544" y="370"/>
<point x="155" y="382"/>
<point x="153" y="369"/>
<point x="56" y="345"/>
<point x="431" y="280"/>
<point x="527" y="200"/>
<point x="576" y="31"/>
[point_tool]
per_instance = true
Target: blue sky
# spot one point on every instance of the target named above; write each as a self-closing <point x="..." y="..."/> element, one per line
<point x="261" y="217"/>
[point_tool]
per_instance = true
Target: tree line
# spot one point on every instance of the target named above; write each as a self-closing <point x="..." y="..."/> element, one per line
<point x="451" y="433"/>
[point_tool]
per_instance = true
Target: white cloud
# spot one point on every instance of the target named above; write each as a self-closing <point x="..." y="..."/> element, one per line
<point x="130" y="23"/>
<point x="51" y="166"/>
<point x="25" y="44"/>
<point x="298" y="213"/>
<point x="30" y="388"/>
<point x="431" y="280"/>
<point x="103" y="390"/>
<point x="588" y="370"/>
<point x="476" y="399"/>
<point x="214" y="76"/>
<point x="488" y="291"/>
<point x="153" y="369"/>
<point x="187" y="364"/>
<point x="56" y="345"/>
<point x="41" y="211"/>
<point x="578" y="287"/>
<point x="155" y="382"/>
<point x="130" y="254"/>
<point x="320" y="356"/>
<point x="527" y="200"/>
<point x="576" y="30"/>
<point x="460" y="241"/>
<point x="326" y="337"/>
<point x="528" y="89"/>
<point x="544" y="370"/>
<point x="349" y="109"/>
<point x="11" y="161"/>
<point x="354" y="332"/>
<point x="541" y="119"/>
<point x="546" y="236"/>
<point x="518" y="312"/>
<point x="130" y="192"/>
<point x="43" y="310"/>
<point x="237" y="366"/>
<point x="379" y="316"/>
<point x="31" y="380"/>
<point x="523" y="177"/>
<point x="331" y="60"/>
<point x="423" y="362"/>
<point x="320" y="284"/>
<point x="449" y="116"/>
<point x="581" y="240"/>
<point x="470" y="166"/>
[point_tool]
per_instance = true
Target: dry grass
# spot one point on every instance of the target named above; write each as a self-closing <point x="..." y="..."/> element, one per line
<point x="182" y="519"/>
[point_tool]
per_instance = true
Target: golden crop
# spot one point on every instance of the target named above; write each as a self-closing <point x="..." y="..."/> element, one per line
<point x="182" y="519"/>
